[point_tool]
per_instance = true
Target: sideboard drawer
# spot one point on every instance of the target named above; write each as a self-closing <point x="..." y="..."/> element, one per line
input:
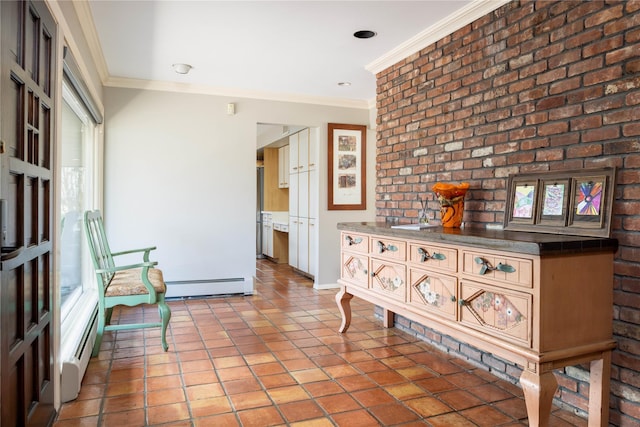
<point x="382" y="247"/>
<point x="389" y="279"/>
<point x="433" y="256"/>
<point x="433" y="292"/>
<point x="497" y="311"/>
<point x="511" y="270"/>
<point x="355" y="268"/>
<point x="355" y="242"/>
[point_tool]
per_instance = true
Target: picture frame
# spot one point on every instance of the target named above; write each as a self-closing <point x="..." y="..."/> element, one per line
<point x="347" y="167"/>
<point x="554" y="201"/>
<point x="588" y="202"/>
<point x="576" y="202"/>
<point x="522" y="199"/>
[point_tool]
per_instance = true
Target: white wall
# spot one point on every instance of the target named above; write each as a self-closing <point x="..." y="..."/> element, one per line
<point x="180" y="174"/>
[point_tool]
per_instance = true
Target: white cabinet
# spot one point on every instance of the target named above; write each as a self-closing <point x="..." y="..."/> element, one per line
<point x="303" y="201"/>
<point x="313" y="250"/>
<point x="293" y="241"/>
<point x="303" y="244"/>
<point x="293" y="153"/>
<point x="303" y="150"/>
<point x="293" y="195"/>
<point x="303" y="194"/>
<point x="283" y="167"/>
<point x="312" y="195"/>
<point x="267" y="235"/>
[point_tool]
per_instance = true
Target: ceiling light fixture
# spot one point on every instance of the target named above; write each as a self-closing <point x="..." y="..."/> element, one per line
<point x="364" y="34"/>
<point x="182" y="68"/>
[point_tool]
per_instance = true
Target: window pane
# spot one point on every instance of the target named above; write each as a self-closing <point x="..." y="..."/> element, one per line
<point x="73" y="188"/>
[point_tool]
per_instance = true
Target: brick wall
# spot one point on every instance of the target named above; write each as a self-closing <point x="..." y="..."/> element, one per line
<point x="533" y="86"/>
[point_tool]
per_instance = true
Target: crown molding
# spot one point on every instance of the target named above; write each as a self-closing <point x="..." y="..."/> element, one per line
<point x="466" y="15"/>
<point x="166" y="86"/>
<point x="88" y="27"/>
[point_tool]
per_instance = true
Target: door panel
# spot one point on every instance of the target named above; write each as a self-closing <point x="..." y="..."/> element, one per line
<point x="26" y="87"/>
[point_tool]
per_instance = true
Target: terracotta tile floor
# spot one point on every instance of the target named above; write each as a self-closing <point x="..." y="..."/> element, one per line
<point x="275" y="359"/>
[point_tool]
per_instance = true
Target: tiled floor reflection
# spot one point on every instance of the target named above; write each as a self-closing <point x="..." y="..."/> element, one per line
<point x="275" y="359"/>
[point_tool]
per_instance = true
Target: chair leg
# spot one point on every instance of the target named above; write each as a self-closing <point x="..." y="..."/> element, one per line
<point x="108" y="314"/>
<point x="99" y="332"/>
<point x="165" y="315"/>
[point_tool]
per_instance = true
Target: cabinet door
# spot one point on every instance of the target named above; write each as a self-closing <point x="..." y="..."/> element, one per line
<point x="283" y="167"/>
<point x="303" y="150"/>
<point x="303" y="244"/>
<point x="313" y="150"/>
<point x="303" y="194"/>
<point x="293" y="241"/>
<point x="293" y="153"/>
<point x="267" y="239"/>
<point x="293" y="194"/>
<point x="312" y="246"/>
<point x="313" y="193"/>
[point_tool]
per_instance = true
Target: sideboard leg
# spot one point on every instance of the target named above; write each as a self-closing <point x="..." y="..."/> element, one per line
<point x="343" y="299"/>
<point x="387" y="318"/>
<point x="599" y="382"/>
<point x="538" y="394"/>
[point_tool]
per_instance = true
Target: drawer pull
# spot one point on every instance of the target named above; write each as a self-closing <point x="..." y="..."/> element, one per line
<point x="453" y="299"/>
<point x="505" y="268"/>
<point x="373" y="273"/>
<point x="351" y="241"/>
<point x="461" y="302"/>
<point x="424" y="254"/>
<point x="383" y="248"/>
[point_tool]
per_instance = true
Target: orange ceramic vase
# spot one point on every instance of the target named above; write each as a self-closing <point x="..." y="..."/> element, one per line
<point x="451" y="198"/>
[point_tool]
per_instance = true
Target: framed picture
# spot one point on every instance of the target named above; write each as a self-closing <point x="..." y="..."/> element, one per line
<point x="521" y="200"/>
<point x="347" y="171"/>
<point x="554" y="202"/>
<point x="577" y="202"/>
<point x="589" y="202"/>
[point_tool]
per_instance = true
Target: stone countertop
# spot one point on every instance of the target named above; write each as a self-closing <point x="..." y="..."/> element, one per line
<point x="509" y="241"/>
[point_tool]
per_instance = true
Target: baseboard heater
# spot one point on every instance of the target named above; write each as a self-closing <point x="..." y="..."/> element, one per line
<point x="73" y="370"/>
<point x="209" y="287"/>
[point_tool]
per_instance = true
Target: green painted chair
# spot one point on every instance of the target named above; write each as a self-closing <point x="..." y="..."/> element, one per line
<point x="128" y="285"/>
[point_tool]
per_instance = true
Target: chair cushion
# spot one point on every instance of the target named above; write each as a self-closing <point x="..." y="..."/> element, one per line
<point x="129" y="282"/>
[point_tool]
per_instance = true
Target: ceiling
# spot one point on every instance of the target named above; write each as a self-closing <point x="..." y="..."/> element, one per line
<point x="264" y="49"/>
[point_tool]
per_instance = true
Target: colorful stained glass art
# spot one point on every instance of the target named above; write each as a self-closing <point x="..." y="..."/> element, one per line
<point x="589" y="198"/>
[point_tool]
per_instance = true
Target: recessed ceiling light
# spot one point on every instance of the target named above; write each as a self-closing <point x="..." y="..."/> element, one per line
<point x="344" y="83"/>
<point x="364" y="34"/>
<point x="182" y="68"/>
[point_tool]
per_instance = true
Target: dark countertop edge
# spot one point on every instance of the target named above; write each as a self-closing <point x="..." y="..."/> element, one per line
<point x="509" y="241"/>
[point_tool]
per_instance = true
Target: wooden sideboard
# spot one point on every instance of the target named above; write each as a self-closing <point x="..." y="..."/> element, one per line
<point x="542" y="301"/>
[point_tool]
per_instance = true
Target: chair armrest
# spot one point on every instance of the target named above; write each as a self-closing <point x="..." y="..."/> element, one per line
<point x="133" y="251"/>
<point x="127" y="267"/>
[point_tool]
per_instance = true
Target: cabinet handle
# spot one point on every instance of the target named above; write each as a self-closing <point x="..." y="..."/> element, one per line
<point x="373" y="274"/>
<point x="351" y="241"/>
<point x="453" y="299"/>
<point x="461" y="302"/>
<point x="505" y="268"/>
<point x="301" y="167"/>
<point x="311" y="164"/>
<point x="383" y="248"/>
<point x="294" y="168"/>
<point x="424" y="255"/>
